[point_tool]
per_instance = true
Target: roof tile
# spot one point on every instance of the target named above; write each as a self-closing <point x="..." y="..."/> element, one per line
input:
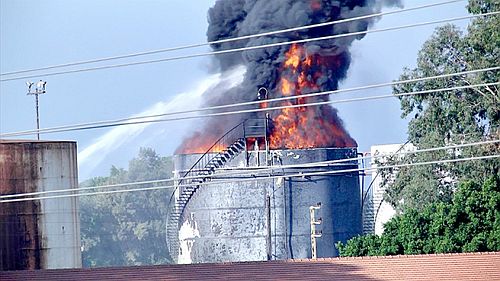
<point x="466" y="266"/>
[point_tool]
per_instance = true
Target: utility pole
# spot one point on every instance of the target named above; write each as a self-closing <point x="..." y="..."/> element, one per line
<point x="314" y="234"/>
<point x="268" y="226"/>
<point x="39" y="89"/>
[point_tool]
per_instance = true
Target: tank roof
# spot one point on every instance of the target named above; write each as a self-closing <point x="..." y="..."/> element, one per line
<point x="287" y="149"/>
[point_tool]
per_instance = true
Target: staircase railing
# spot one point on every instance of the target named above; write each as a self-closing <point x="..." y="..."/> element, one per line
<point x="222" y="143"/>
<point x="215" y="157"/>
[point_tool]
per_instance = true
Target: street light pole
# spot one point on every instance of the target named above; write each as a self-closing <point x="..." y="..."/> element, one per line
<point x="40" y="89"/>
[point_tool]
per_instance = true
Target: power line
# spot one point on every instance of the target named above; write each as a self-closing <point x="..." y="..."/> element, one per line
<point x="246" y="171"/>
<point x="374" y="156"/>
<point x="262" y="170"/>
<point x="259" y="178"/>
<point x="106" y="124"/>
<point x="52" y="129"/>
<point x="424" y="150"/>
<point x="363" y="201"/>
<point x="249" y="103"/>
<point x="66" y="129"/>
<point x="256" y="110"/>
<point x="251" y="47"/>
<point x="378" y="173"/>
<point x="231" y="39"/>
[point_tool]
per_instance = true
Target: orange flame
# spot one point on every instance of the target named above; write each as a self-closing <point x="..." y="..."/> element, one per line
<point x="198" y="143"/>
<point x="292" y="128"/>
<point x="305" y="127"/>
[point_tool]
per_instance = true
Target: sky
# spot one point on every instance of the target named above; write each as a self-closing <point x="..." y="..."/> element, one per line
<point x="36" y="33"/>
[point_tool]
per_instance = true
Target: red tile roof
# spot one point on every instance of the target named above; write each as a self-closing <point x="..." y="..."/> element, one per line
<point x="470" y="266"/>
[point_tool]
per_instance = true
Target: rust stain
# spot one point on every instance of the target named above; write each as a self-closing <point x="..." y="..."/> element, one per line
<point x="20" y="238"/>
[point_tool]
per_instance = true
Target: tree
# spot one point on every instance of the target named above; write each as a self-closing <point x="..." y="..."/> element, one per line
<point x="450" y="117"/>
<point x="469" y="223"/>
<point x="127" y="228"/>
<point x="98" y="226"/>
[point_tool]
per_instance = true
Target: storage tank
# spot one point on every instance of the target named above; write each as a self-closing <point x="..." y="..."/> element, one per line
<point x="227" y="219"/>
<point x="38" y="234"/>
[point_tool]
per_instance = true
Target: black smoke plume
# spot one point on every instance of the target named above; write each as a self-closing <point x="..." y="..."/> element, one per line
<point x="234" y="18"/>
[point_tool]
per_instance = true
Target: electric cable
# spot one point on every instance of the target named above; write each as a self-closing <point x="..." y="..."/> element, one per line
<point x="378" y="172"/>
<point x="316" y="164"/>
<point x="267" y="170"/>
<point x="143" y="53"/>
<point x="104" y="124"/>
<point x="227" y="51"/>
<point x="278" y="167"/>
<point x="365" y="196"/>
<point x="258" y="178"/>
<point x="283" y="98"/>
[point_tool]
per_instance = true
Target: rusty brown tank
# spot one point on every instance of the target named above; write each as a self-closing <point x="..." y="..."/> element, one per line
<point x="38" y="234"/>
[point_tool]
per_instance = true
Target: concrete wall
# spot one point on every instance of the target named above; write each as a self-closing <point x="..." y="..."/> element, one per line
<point x="37" y="234"/>
<point x="227" y="221"/>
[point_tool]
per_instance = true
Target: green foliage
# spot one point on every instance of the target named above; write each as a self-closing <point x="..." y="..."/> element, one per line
<point x="469" y="223"/>
<point x="127" y="228"/>
<point x="450" y="117"/>
<point x="483" y="6"/>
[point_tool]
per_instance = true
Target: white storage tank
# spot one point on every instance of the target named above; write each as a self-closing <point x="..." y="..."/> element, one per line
<point x="227" y="219"/>
<point x="39" y="234"/>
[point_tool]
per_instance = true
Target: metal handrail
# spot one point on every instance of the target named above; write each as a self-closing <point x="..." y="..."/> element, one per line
<point x="209" y="150"/>
<point x="204" y="160"/>
<point x="170" y="205"/>
<point x="201" y="158"/>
